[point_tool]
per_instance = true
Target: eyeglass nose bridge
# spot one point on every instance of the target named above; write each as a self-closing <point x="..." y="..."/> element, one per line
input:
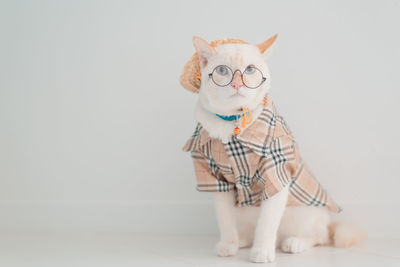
<point x="241" y="76"/>
<point x="241" y="73"/>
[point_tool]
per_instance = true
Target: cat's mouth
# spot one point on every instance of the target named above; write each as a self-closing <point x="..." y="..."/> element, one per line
<point x="237" y="94"/>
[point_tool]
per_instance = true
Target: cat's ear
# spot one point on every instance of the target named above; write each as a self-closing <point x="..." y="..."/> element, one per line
<point x="266" y="47"/>
<point x="204" y="50"/>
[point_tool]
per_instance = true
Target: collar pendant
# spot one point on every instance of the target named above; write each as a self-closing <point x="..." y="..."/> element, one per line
<point x="236" y="131"/>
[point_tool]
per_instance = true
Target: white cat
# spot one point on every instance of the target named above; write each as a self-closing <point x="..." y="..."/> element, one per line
<point x="271" y="224"/>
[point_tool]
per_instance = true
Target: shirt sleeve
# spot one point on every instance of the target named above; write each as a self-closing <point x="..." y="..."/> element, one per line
<point x="208" y="175"/>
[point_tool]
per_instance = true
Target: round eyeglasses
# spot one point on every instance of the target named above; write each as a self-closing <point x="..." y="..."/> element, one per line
<point x="252" y="77"/>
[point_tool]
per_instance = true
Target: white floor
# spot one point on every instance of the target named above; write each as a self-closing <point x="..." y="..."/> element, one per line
<point x="106" y="249"/>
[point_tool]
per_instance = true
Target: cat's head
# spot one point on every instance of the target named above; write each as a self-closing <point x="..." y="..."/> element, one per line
<point x="232" y="75"/>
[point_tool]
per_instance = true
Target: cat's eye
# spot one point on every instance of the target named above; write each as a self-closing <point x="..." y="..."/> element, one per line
<point x="250" y="69"/>
<point x="222" y="70"/>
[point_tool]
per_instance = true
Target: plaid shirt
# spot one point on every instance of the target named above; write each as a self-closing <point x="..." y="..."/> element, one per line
<point x="256" y="164"/>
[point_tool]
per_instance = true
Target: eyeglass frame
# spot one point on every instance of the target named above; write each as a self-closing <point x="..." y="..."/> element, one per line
<point x="210" y="75"/>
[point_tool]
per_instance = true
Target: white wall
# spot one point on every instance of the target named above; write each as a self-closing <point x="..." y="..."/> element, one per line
<point x="93" y="118"/>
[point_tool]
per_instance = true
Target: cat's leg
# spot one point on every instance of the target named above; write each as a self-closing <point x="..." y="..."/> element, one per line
<point x="246" y="235"/>
<point x="246" y="219"/>
<point x="302" y="228"/>
<point x="224" y="206"/>
<point x="265" y="236"/>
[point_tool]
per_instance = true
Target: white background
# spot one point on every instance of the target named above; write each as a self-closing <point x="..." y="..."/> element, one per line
<point x="93" y="118"/>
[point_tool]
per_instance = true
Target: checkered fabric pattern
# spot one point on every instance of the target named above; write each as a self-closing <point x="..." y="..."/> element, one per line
<point x="256" y="164"/>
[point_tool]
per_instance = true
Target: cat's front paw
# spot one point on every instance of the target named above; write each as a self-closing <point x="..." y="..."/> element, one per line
<point x="225" y="249"/>
<point x="262" y="254"/>
<point x="295" y="245"/>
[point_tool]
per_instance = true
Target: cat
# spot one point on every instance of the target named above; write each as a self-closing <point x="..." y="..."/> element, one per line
<point x="233" y="84"/>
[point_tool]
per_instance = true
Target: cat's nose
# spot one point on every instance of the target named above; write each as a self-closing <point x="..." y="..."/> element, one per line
<point x="237" y="81"/>
<point x="236" y="85"/>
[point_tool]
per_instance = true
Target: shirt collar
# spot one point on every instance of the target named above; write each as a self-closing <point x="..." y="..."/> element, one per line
<point x="256" y="137"/>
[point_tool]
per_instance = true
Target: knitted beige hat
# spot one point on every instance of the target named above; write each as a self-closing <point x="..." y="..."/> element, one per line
<point x="190" y="76"/>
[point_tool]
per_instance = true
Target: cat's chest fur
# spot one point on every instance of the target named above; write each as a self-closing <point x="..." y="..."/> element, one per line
<point x="217" y="127"/>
